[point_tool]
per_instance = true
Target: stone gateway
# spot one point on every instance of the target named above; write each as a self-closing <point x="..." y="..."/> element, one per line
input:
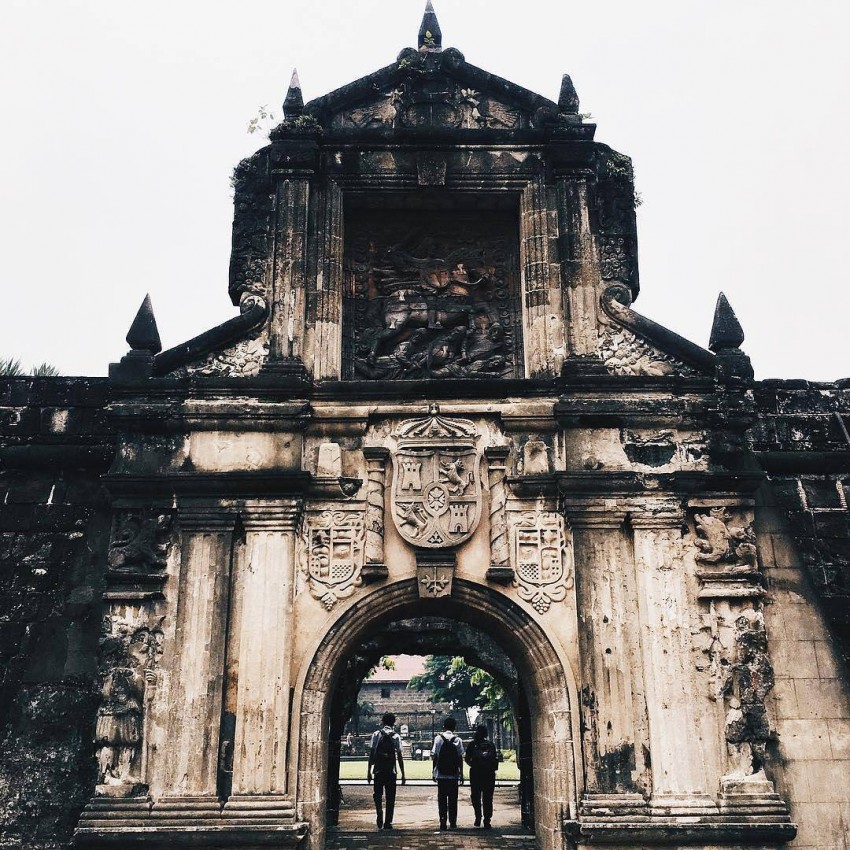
<point x="436" y="423"/>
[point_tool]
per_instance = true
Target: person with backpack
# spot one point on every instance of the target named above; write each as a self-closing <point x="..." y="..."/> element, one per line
<point x="384" y="753"/>
<point x="447" y="757"/>
<point x="483" y="761"/>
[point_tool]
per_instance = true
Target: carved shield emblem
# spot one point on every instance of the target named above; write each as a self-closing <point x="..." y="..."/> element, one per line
<point x="436" y="493"/>
<point x="543" y="570"/>
<point x="333" y="553"/>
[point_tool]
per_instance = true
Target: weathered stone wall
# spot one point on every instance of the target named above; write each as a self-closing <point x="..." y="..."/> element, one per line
<point x="54" y="528"/>
<point x="803" y="529"/>
<point x="802" y="442"/>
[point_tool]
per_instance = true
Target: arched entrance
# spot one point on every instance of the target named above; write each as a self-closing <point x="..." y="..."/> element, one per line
<point x="545" y="680"/>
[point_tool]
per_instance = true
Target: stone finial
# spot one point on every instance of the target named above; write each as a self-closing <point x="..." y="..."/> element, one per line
<point x="726" y="331"/>
<point x="430" y="35"/>
<point x="293" y="103"/>
<point x="143" y="339"/>
<point x="143" y="334"/>
<point x="568" y="99"/>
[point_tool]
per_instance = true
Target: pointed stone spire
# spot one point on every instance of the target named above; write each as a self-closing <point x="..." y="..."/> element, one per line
<point x="726" y="330"/>
<point x="143" y="334"/>
<point x="568" y="100"/>
<point x="293" y="103"/>
<point x="143" y="339"/>
<point x="430" y="35"/>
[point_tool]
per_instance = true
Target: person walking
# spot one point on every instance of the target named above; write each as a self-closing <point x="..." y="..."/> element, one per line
<point x="384" y="754"/>
<point x="447" y="757"/>
<point x="483" y="761"/>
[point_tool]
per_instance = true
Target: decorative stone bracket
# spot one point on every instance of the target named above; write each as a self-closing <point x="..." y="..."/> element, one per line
<point x="434" y="572"/>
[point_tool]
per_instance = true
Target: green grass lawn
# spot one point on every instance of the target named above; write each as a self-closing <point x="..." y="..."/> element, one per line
<point x="419" y="770"/>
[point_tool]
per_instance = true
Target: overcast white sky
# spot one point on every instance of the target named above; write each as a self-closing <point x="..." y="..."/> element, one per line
<point x="122" y="122"/>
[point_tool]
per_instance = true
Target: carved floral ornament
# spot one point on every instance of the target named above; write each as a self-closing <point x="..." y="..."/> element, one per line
<point x="543" y="567"/>
<point x="332" y="554"/>
<point x="436" y="492"/>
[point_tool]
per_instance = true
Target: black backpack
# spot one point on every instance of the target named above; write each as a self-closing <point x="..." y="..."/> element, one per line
<point x="385" y="752"/>
<point x="483" y="756"/>
<point x="448" y="760"/>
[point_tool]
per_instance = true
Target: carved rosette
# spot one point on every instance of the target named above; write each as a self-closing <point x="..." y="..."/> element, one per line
<point x="436" y="493"/>
<point x="131" y="649"/>
<point x="616" y="260"/>
<point x="332" y="557"/>
<point x="542" y="560"/>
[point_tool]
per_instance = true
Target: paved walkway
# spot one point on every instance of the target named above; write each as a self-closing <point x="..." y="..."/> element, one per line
<point x="415" y="823"/>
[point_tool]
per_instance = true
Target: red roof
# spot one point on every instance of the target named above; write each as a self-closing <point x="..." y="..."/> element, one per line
<point x="406" y="667"/>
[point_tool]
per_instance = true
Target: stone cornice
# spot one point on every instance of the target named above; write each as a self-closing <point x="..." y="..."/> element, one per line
<point x="228" y="485"/>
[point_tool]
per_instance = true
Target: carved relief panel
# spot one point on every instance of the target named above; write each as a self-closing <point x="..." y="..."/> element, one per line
<point x="432" y="102"/>
<point x="432" y="295"/>
<point x="131" y="648"/>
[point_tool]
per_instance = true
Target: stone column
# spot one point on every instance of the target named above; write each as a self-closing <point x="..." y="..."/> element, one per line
<point x="286" y="341"/>
<point x="326" y="307"/>
<point x="500" y="570"/>
<point x="267" y="581"/>
<point x="678" y="770"/>
<point x="376" y="470"/>
<point x="196" y="676"/>
<point x="580" y="263"/>
<point x="542" y="307"/>
<point x="615" y="723"/>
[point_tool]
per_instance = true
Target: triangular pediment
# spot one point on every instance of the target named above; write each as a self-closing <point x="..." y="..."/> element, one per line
<point x="431" y="91"/>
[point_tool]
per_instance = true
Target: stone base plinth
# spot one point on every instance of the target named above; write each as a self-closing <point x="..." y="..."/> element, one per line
<point x="627" y="820"/>
<point x="253" y="821"/>
<point x="500" y="574"/>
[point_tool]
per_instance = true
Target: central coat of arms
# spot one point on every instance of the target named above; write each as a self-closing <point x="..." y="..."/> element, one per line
<point x="436" y="492"/>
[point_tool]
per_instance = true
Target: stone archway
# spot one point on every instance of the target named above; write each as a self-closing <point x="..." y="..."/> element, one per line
<point x="429" y="636"/>
<point x="545" y="678"/>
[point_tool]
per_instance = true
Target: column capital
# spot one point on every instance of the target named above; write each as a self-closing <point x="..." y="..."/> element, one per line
<point x="661" y="517"/>
<point x="594" y="514"/>
<point x="376" y="453"/>
<point x="497" y="453"/>
<point x="280" y="515"/>
<point x="206" y="515"/>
